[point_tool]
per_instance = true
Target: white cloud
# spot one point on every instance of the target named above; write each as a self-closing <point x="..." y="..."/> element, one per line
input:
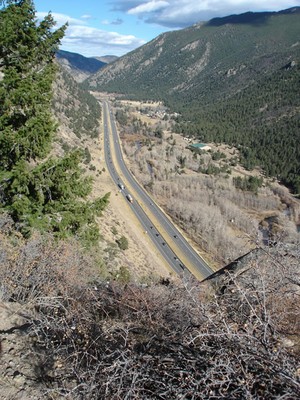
<point x="89" y="41"/>
<point x="182" y="13"/>
<point x="86" y="16"/>
<point x="150" y="6"/>
<point x="117" y="21"/>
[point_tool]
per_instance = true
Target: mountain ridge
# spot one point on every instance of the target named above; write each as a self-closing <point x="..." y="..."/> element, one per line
<point x="250" y="17"/>
<point x="190" y="39"/>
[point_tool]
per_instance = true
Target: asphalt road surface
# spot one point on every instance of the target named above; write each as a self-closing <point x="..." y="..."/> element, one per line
<point x="179" y="254"/>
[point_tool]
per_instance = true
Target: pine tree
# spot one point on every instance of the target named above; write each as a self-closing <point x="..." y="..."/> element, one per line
<point x="46" y="194"/>
<point x="27" y="51"/>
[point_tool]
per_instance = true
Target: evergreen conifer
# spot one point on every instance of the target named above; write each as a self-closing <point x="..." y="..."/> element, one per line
<point x="37" y="190"/>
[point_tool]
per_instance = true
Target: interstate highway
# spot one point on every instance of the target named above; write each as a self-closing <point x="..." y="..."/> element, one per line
<point x="178" y="253"/>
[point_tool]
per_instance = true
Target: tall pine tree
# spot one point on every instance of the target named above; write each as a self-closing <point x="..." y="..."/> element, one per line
<point x="27" y="51"/>
<point x="51" y="194"/>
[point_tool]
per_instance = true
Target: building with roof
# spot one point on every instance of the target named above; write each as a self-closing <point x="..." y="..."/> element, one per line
<point x="201" y="146"/>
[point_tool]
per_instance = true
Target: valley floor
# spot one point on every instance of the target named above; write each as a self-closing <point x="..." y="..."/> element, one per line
<point x="198" y="190"/>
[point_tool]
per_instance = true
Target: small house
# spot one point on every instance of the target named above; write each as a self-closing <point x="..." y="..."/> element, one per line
<point x="201" y="146"/>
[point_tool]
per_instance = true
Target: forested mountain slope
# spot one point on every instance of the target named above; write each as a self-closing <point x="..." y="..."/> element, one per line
<point x="234" y="79"/>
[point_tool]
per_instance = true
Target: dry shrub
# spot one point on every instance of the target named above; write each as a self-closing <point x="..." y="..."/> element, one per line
<point x="172" y="342"/>
<point x="41" y="266"/>
<point x="224" y="338"/>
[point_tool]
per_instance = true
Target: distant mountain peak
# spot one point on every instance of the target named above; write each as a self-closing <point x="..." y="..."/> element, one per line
<point x="86" y="64"/>
<point x="79" y="66"/>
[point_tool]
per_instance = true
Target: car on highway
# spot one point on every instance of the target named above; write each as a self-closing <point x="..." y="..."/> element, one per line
<point x="121" y="186"/>
<point x="129" y="198"/>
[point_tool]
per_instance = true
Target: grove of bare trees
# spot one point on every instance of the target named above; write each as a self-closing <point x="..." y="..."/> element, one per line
<point x="220" y="218"/>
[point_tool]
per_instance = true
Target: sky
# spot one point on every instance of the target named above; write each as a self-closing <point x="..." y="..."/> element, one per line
<point x="116" y="27"/>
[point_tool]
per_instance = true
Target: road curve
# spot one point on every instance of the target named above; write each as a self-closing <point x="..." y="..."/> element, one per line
<point x="179" y="254"/>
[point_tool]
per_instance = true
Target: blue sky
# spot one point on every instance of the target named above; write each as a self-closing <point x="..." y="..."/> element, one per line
<point x="115" y="27"/>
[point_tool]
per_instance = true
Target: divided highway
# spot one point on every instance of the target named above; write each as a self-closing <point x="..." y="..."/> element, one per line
<point x="181" y="257"/>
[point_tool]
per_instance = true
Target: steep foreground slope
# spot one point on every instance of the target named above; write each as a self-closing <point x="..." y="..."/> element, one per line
<point x="233" y="80"/>
<point x="66" y="334"/>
